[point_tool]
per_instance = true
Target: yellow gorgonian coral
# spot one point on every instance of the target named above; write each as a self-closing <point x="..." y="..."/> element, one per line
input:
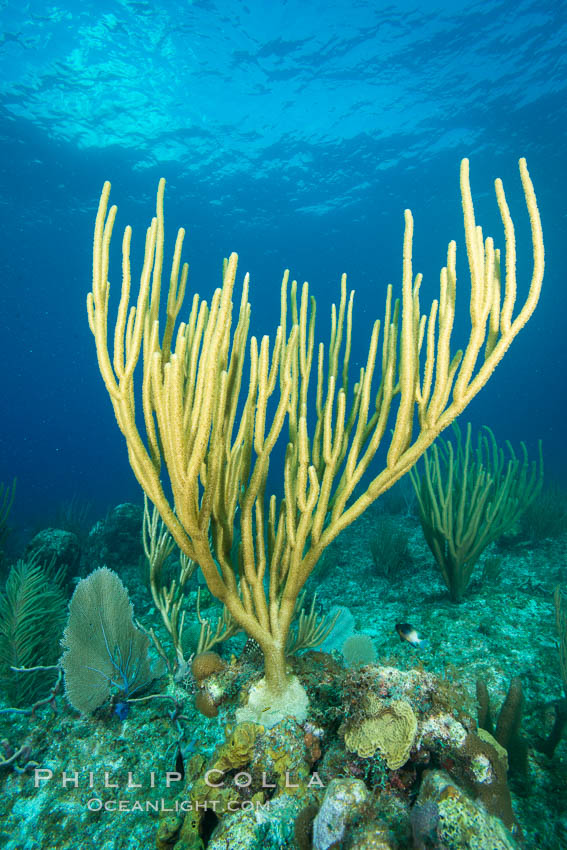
<point x="203" y="406"/>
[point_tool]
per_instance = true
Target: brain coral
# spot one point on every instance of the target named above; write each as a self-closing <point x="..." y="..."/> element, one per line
<point x="388" y="727"/>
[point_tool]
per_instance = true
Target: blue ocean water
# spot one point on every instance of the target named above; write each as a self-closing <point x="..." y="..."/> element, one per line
<point x="293" y="133"/>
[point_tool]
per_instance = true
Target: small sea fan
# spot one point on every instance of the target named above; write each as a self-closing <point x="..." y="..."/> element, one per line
<point x="359" y="650"/>
<point x="104" y="651"/>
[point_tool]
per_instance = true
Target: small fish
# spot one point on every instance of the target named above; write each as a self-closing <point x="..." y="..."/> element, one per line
<point x="407" y="632"/>
<point x="179" y="763"/>
<point x="122" y="709"/>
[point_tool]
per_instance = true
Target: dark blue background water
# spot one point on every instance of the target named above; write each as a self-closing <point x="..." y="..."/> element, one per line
<point x="294" y="133"/>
